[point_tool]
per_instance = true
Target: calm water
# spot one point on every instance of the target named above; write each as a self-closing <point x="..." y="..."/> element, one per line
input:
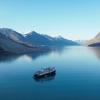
<point x="77" y="77"/>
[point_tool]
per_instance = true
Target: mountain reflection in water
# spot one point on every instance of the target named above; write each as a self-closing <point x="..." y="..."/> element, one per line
<point x="77" y="75"/>
<point x="9" y="57"/>
<point x="96" y="51"/>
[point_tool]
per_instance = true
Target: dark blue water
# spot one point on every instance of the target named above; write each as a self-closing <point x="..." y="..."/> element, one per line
<point x="77" y="77"/>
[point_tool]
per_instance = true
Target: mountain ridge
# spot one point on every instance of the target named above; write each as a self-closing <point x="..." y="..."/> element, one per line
<point x="94" y="41"/>
<point x="42" y="39"/>
<point x="13" y="41"/>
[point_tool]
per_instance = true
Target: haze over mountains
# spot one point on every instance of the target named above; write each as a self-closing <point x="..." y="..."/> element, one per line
<point x="94" y="42"/>
<point x="15" y="42"/>
<point x="12" y="41"/>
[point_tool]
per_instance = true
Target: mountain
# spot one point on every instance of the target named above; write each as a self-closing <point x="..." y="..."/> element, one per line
<point x="94" y="42"/>
<point x="40" y="39"/>
<point x="12" y="34"/>
<point x="12" y="41"/>
<point x="37" y="39"/>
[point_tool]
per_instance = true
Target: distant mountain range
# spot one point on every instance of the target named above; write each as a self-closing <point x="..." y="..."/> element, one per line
<point x="39" y="39"/>
<point x="95" y="42"/>
<point x="12" y="41"/>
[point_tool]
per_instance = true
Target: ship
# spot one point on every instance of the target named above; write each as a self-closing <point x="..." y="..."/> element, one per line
<point x="45" y="72"/>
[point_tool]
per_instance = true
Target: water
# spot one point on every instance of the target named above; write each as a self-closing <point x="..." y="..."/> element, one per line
<point x="77" y="77"/>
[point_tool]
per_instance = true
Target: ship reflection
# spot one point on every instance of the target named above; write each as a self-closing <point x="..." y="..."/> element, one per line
<point x="46" y="78"/>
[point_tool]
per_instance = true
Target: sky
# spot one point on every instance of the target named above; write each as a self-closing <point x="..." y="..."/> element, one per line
<point x="73" y="19"/>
